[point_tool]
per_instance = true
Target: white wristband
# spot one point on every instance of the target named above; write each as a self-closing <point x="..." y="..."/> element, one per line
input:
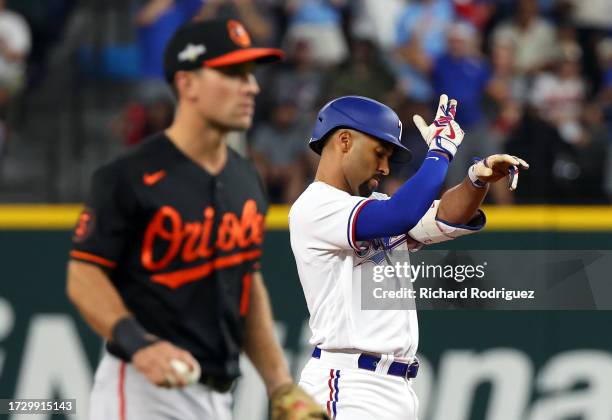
<point x="474" y="179"/>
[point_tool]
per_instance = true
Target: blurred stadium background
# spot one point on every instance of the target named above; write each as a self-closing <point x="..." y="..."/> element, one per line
<point x="80" y="81"/>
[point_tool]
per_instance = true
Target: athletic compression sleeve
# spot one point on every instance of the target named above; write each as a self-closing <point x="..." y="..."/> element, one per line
<point x="400" y="213"/>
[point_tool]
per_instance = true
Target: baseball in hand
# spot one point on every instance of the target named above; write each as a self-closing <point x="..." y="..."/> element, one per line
<point x="182" y="369"/>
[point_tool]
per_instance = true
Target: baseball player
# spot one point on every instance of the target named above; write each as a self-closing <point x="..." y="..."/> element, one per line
<point x="363" y="361"/>
<point x="165" y="261"/>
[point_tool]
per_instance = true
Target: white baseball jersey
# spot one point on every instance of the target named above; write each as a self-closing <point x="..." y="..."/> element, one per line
<point x="329" y="263"/>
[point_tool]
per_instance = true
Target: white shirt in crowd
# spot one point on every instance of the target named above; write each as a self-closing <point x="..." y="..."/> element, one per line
<point x="15" y="34"/>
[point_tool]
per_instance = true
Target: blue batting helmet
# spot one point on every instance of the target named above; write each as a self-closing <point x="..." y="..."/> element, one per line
<point x="362" y="114"/>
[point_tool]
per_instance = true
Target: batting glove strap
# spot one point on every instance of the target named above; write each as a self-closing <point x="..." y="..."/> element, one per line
<point x="444" y="145"/>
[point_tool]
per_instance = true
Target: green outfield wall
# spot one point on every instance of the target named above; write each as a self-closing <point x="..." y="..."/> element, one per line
<point x="498" y="365"/>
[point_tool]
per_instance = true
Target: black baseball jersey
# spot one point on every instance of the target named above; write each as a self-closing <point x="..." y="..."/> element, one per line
<point x="179" y="244"/>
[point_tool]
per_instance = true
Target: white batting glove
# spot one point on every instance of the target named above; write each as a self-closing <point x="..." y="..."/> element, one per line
<point x="444" y="134"/>
<point x="496" y="167"/>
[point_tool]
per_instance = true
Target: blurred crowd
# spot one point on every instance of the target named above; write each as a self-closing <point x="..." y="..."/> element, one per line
<point x="533" y="78"/>
<point x="15" y="43"/>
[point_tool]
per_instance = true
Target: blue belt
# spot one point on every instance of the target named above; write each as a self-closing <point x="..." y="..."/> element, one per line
<point x="370" y="361"/>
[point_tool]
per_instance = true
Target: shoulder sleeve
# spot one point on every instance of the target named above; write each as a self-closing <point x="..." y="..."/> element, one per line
<point x="106" y="221"/>
<point x="326" y="220"/>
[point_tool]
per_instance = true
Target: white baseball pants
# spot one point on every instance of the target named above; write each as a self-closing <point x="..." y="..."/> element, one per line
<point x="351" y="393"/>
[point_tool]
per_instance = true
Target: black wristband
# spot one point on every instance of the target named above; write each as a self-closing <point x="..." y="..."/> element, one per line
<point x="128" y="336"/>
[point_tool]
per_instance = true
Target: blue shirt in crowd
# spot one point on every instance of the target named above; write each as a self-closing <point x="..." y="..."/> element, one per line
<point x="464" y="79"/>
<point x="320" y="12"/>
<point x="430" y="21"/>
<point x="152" y="39"/>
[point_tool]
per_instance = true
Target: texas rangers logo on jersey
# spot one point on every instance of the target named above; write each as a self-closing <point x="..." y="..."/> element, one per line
<point x="376" y="249"/>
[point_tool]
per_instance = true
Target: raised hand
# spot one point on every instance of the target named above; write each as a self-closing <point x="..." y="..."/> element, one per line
<point x="444" y="134"/>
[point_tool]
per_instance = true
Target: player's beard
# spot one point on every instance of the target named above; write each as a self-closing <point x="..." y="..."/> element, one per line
<point x="368" y="187"/>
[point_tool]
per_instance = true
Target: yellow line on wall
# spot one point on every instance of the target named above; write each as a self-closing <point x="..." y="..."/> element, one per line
<point x="547" y="218"/>
<point x="39" y="216"/>
<point x="500" y="218"/>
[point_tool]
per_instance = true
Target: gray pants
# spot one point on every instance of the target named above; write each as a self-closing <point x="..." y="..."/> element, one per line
<point x="120" y="392"/>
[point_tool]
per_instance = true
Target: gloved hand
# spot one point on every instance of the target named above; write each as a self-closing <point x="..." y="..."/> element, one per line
<point x="444" y="134"/>
<point x="496" y="167"/>
<point x="290" y="402"/>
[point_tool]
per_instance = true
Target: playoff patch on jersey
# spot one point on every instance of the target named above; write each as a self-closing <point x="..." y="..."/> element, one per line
<point x="85" y="225"/>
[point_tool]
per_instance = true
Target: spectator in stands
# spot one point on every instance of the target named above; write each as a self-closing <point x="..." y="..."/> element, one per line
<point x="364" y="73"/>
<point x="152" y="108"/>
<point x="420" y="40"/>
<point x="281" y="153"/>
<point x="593" y="21"/>
<point x="534" y="37"/>
<point x="298" y="76"/>
<point x="559" y="95"/>
<point x="507" y="89"/>
<point x="593" y="14"/>
<point x="253" y="14"/>
<point x="604" y="52"/>
<point x="591" y="156"/>
<point x="157" y="20"/>
<point x="143" y="118"/>
<point x="507" y="93"/>
<point x="319" y="22"/>
<point x="15" y="40"/>
<point x="537" y="140"/>
<point x="462" y="73"/>
<point x="375" y="20"/>
<point x="477" y="12"/>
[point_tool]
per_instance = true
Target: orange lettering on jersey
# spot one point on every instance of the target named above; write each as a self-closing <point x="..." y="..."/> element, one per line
<point x="204" y="251"/>
<point x="192" y="241"/>
<point x="192" y="236"/>
<point x="251" y="225"/>
<point x="157" y="230"/>
<point x="229" y="232"/>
